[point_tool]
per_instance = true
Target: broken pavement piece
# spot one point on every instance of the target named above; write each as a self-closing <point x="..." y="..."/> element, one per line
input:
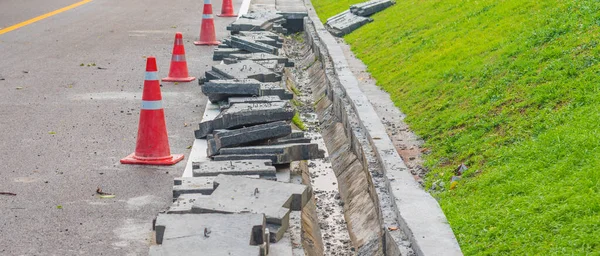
<point x="345" y="22"/>
<point x="246" y="69"/>
<point x="371" y="7"/>
<point x="279" y="154"/>
<point x="193" y="185"/>
<point x="262" y="168"/>
<point x="220" y="90"/>
<point x="259" y="99"/>
<point x="229" y="138"/>
<point x="236" y="194"/>
<point x="211" y="234"/>
<point x="240" y="115"/>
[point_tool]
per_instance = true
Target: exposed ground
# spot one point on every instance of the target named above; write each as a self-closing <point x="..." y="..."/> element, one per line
<point x="510" y="90"/>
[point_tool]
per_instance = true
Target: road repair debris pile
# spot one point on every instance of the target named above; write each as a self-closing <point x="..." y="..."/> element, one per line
<point x="237" y="202"/>
<point x="358" y="15"/>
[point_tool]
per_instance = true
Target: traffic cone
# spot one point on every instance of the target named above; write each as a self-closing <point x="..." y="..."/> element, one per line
<point x="179" y="70"/>
<point x="207" y="30"/>
<point x="152" y="145"/>
<point x="227" y="9"/>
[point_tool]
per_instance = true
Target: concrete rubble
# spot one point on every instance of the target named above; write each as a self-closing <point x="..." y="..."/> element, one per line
<point x="278" y="154"/>
<point x="263" y="168"/>
<point x="230" y="138"/>
<point x="243" y="70"/>
<point x="246" y="114"/>
<point x="258" y="99"/>
<point x="357" y="16"/>
<point x="369" y="8"/>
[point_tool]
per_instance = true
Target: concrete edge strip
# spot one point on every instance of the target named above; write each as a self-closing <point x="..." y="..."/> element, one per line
<point x="419" y="214"/>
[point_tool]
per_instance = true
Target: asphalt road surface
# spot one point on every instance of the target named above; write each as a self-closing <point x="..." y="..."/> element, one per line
<point x="64" y="126"/>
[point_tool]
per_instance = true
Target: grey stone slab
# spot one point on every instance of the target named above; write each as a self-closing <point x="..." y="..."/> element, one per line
<point x="211" y="75"/>
<point x="246" y="69"/>
<point x="371" y="7"/>
<point x="251" y="100"/>
<point x="237" y="194"/>
<point x="230" y="138"/>
<point x="284" y="154"/>
<point x="210" y="234"/>
<point x="240" y="115"/>
<point x="220" y="90"/>
<point x="246" y="24"/>
<point x="275" y="89"/>
<point x="221" y="52"/>
<point x="244" y="167"/>
<point x="183" y="203"/>
<point x="203" y="185"/>
<point x="268" y="34"/>
<point x="251" y="45"/>
<point x="260" y="56"/>
<point x="345" y="22"/>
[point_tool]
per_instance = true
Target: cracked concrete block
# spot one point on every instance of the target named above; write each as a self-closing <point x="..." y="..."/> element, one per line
<point x="220" y="90"/>
<point x="260" y="56"/>
<point x="230" y="138"/>
<point x="246" y="69"/>
<point x="259" y="99"/>
<point x="268" y="34"/>
<point x="240" y="115"/>
<point x="222" y="52"/>
<point x="275" y="89"/>
<point x="371" y="7"/>
<point x="345" y="22"/>
<point x="246" y="24"/>
<point x="262" y="168"/>
<point x="202" y="185"/>
<point x="236" y="194"/>
<point x="251" y="45"/>
<point x="210" y="234"/>
<point x="183" y="203"/>
<point x="280" y="154"/>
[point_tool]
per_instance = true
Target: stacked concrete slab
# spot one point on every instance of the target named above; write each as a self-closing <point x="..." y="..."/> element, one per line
<point x="358" y="15"/>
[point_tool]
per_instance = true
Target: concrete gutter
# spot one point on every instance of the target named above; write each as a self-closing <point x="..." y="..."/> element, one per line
<point x="418" y="213"/>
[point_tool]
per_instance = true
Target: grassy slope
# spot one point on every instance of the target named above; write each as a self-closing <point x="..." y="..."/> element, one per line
<point x="512" y="89"/>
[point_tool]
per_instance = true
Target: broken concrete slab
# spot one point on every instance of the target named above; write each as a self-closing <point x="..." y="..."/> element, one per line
<point x="263" y="168"/>
<point x="275" y="89"/>
<point x="183" y="203"/>
<point x="221" y="53"/>
<point x="279" y="154"/>
<point x="371" y="7"/>
<point x="259" y="99"/>
<point x="243" y="114"/>
<point x="260" y="56"/>
<point x="251" y="45"/>
<point x="211" y="234"/>
<point x="345" y="22"/>
<point x="246" y="24"/>
<point x="246" y="69"/>
<point x="268" y="34"/>
<point x="220" y="90"/>
<point x="202" y="185"/>
<point x="237" y="194"/>
<point x="230" y="138"/>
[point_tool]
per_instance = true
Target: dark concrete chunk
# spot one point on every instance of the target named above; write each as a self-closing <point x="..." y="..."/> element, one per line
<point x="275" y="89"/>
<point x="192" y="186"/>
<point x="242" y="114"/>
<point x="345" y="22"/>
<point x="263" y="168"/>
<point x="229" y="138"/>
<point x="260" y="56"/>
<point x="210" y="234"/>
<point x="251" y="45"/>
<point x="371" y="7"/>
<point x="246" y="69"/>
<point x="281" y="154"/>
<point x="259" y="99"/>
<point x="220" y="90"/>
<point x="236" y="194"/>
<point x="221" y="53"/>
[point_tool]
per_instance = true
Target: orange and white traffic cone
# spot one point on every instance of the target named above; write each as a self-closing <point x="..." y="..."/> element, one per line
<point x="227" y="9"/>
<point x="152" y="147"/>
<point x="179" y="70"/>
<point x="207" y="31"/>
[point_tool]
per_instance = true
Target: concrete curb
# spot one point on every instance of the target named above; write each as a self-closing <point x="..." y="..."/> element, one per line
<point x="418" y="213"/>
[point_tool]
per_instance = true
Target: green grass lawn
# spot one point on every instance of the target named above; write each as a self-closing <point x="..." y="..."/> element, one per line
<point x="512" y="89"/>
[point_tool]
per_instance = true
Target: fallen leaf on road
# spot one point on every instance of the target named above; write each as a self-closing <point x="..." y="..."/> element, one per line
<point x="25" y="71"/>
<point x="173" y="26"/>
<point x="392" y="228"/>
<point x="107" y="196"/>
<point x="189" y="147"/>
<point x="185" y="124"/>
<point x="8" y="194"/>
<point x="81" y="65"/>
<point x="19" y="88"/>
<point x="59" y="207"/>
<point x="51" y="132"/>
